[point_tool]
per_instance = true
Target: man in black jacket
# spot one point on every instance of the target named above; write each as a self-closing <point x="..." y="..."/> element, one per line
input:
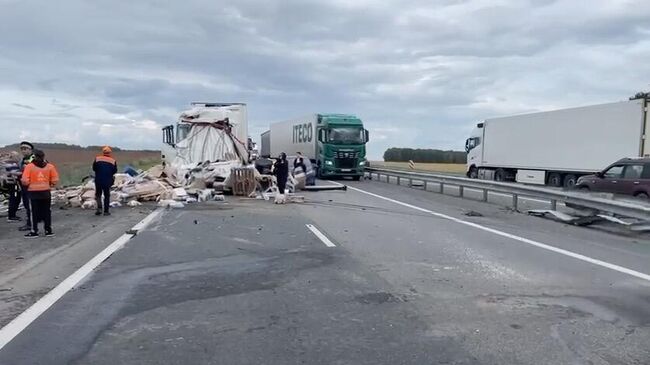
<point x="299" y="162"/>
<point x="281" y="171"/>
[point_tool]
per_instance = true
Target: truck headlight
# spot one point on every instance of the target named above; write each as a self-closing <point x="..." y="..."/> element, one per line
<point x="329" y="163"/>
<point x="362" y="163"/>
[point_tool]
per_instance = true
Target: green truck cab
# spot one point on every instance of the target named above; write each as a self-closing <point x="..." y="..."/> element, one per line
<point x="334" y="143"/>
<point x="341" y="146"/>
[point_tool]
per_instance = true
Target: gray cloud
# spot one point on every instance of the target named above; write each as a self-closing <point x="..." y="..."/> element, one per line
<point x="418" y="74"/>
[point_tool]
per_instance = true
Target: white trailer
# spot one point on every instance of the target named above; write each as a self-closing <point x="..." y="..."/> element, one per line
<point x="295" y="135"/>
<point x="557" y="147"/>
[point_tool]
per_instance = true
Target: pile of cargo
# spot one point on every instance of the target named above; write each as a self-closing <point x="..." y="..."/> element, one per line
<point x="207" y="181"/>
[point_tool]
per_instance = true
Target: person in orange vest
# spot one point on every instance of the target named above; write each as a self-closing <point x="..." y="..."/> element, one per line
<point x="39" y="177"/>
<point x="105" y="168"/>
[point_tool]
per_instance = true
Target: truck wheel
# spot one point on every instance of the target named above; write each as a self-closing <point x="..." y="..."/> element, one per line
<point x="555" y="180"/>
<point x="500" y="175"/>
<point x="570" y="181"/>
<point x="473" y="173"/>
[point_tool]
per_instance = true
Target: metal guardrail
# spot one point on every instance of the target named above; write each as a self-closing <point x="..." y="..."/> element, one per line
<point x="622" y="208"/>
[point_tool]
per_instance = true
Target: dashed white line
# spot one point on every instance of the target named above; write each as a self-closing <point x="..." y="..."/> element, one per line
<point x="23" y="320"/>
<point x="320" y="235"/>
<point x="545" y="246"/>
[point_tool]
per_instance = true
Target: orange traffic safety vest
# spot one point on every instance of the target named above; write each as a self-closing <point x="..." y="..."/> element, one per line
<point x="40" y="178"/>
<point x="104" y="158"/>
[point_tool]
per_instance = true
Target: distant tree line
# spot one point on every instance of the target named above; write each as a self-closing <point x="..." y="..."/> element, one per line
<point x="424" y="155"/>
<point x="65" y="146"/>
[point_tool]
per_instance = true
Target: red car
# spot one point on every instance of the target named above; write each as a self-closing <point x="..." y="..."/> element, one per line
<point x="629" y="176"/>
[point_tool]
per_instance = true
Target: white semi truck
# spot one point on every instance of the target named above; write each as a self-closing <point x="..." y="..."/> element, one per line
<point x="207" y="132"/>
<point x="557" y="147"/>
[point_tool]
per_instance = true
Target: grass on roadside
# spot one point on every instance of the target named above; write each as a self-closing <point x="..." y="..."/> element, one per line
<point x="72" y="173"/>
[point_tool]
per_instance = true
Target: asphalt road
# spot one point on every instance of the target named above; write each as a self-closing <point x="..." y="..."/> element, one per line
<point x="409" y="281"/>
<point x="29" y="268"/>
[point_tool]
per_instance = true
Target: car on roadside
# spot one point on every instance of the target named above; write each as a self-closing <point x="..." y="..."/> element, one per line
<point x="628" y="176"/>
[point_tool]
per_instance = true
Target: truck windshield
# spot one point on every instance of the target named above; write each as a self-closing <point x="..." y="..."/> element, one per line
<point x="182" y="132"/>
<point x="345" y="135"/>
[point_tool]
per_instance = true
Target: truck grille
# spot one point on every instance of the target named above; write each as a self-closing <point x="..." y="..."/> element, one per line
<point x="346" y="163"/>
<point x="344" y="154"/>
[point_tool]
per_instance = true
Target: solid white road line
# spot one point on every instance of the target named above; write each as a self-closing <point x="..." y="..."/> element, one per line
<point x="320" y="236"/>
<point x="561" y="251"/>
<point x="18" y="324"/>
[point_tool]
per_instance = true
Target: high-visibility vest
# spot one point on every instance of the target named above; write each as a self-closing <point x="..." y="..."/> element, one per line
<point x="40" y="178"/>
<point x="103" y="158"/>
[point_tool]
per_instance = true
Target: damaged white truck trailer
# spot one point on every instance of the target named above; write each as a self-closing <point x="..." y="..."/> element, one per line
<point x="213" y="132"/>
<point x="207" y="142"/>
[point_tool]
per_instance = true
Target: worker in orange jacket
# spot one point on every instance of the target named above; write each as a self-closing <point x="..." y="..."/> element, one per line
<point x="105" y="168"/>
<point x="39" y="177"/>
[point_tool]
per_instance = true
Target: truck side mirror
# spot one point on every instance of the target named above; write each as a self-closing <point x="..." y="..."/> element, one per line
<point x="321" y="135"/>
<point x="600" y="174"/>
<point x="367" y="135"/>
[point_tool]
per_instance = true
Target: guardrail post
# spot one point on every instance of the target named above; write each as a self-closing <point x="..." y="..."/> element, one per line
<point x="410" y="182"/>
<point x="442" y="188"/>
<point x="425" y="185"/>
<point x="460" y="190"/>
<point x="553" y="204"/>
<point x="485" y="195"/>
<point x="398" y="181"/>
<point x="515" y="202"/>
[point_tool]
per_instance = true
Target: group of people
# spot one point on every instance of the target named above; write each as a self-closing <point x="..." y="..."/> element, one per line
<point x="30" y="180"/>
<point x="281" y="169"/>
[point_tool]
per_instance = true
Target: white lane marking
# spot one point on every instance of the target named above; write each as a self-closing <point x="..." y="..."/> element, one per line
<point x="561" y="251"/>
<point x="320" y="235"/>
<point x="18" y="324"/>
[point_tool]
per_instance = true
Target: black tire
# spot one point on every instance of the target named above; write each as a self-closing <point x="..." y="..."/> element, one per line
<point x="554" y="179"/>
<point x="642" y="196"/>
<point x="356" y="178"/>
<point x="570" y="181"/>
<point x="500" y="175"/>
<point x="473" y="173"/>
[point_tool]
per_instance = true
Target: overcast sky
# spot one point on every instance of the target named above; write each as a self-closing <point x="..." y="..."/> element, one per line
<point x="419" y="73"/>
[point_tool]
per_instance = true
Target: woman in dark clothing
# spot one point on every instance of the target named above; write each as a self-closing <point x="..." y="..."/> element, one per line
<point x="281" y="171"/>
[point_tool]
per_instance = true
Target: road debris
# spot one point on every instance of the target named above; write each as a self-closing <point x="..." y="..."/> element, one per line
<point x="472" y="213"/>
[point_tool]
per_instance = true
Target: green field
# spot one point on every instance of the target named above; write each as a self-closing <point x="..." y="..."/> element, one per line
<point x="448" y="168"/>
<point x="72" y="173"/>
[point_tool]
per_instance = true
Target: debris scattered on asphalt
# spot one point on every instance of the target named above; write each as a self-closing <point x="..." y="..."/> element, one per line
<point x="6" y="289"/>
<point x="473" y="213"/>
<point x="19" y="258"/>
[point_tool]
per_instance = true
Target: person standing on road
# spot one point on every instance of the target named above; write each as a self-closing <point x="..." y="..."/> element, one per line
<point x="281" y="171"/>
<point x="105" y="168"/>
<point x="12" y="168"/>
<point x="39" y="177"/>
<point x="26" y="149"/>
<point x="299" y="162"/>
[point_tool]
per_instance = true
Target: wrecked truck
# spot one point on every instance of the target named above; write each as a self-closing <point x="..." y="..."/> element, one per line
<point x="207" y="132"/>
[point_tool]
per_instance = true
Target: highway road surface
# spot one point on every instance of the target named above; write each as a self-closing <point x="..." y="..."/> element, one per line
<point x="378" y="274"/>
